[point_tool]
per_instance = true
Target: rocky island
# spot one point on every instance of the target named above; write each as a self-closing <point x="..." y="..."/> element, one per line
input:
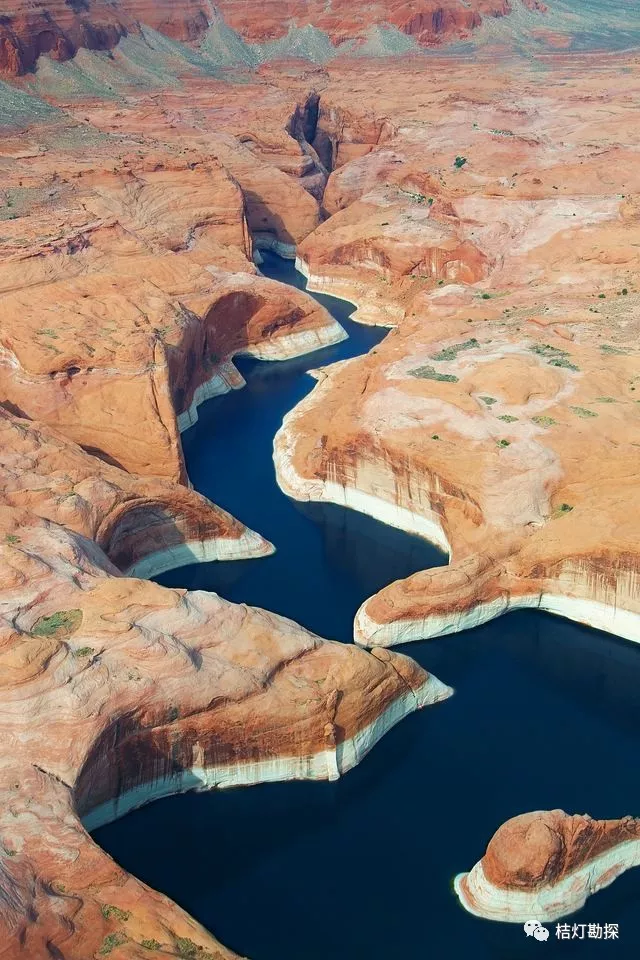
<point x="465" y="174"/>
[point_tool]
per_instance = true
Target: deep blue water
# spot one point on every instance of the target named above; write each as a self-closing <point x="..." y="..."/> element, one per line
<point x="546" y="714"/>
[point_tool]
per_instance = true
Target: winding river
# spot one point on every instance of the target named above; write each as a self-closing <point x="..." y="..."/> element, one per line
<point x="545" y="715"/>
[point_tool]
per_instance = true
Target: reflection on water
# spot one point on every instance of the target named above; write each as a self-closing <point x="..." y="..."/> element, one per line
<point x="545" y="715"/>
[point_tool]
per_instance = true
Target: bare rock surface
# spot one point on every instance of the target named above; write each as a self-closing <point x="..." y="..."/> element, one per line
<point x="499" y="418"/>
<point x="544" y="865"/>
<point x="128" y="285"/>
<point x="145" y="691"/>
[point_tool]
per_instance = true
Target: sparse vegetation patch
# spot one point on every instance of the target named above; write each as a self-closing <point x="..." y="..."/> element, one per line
<point x="59" y="624"/>
<point x="107" y="909"/>
<point x="430" y="373"/>
<point x="111" y="941"/>
<point x="450" y="353"/>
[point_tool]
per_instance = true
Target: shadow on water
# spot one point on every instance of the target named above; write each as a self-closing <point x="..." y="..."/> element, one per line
<point x="545" y="715"/>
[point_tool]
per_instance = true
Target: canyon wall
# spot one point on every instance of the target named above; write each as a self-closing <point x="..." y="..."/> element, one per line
<point x="498" y="418"/>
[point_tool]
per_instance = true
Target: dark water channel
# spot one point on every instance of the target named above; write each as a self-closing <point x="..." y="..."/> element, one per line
<point x="546" y="714"/>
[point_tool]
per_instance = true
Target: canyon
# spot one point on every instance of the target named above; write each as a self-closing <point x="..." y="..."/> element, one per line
<point x="154" y="157"/>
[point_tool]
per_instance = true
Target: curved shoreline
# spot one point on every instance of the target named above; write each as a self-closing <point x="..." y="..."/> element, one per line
<point x="551" y="902"/>
<point x="329" y="764"/>
<point x="227" y="377"/>
<point x="591" y="613"/>
<point x="250" y="545"/>
<point x="325" y="285"/>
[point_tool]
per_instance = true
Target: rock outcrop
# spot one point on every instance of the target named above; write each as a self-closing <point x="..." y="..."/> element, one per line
<point x="144" y="525"/>
<point x="499" y="417"/>
<point x="544" y="865"/>
<point x="431" y="22"/>
<point x="114" y="287"/>
<point x="56" y="28"/>
<point x="115" y="691"/>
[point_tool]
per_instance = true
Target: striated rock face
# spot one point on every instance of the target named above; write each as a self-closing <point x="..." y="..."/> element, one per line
<point x="56" y="28"/>
<point x="429" y="21"/>
<point x="499" y="417"/>
<point x="179" y="19"/>
<point x="144" y="525"/>
<point x="59" y="28"/>
<point x="544" y="865"/>
<point x="142" y="692"/>
<point x="114" y="291"/>
<point x="128" y="284"/>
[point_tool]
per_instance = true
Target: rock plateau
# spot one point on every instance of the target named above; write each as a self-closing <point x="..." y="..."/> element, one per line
<point x="487" y="212"/>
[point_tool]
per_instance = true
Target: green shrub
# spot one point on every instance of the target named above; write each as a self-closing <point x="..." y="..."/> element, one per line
<point x="111" y="941"/>
<point x="85" y="652"/>
<point x="107" y="909"/>
<point x="583" y="412"/>
<point x="563" y="362"/>
<point x="489" y="400"/>
<point x="507" y="418"/>
<point x="459" y="162"/>
<point x="544" y="421"/>
<point x="504" y="443"/>
<point x="12" y="539"/>
<point x="150" y="944"/>
<point x="59" y="624"/>
<point x="450" y="353"/>
<point x="430" y="373"/>
<point x="191" y="951"/>
<point x="547" y="351"/>
<point x="616" y="351"/>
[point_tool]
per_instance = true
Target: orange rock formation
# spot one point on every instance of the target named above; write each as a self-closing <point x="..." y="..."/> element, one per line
<point x="544" y="865"/>
<point x="491" y="219"/>
<point x="128" y="239"/>
<point x="499" y="418"/>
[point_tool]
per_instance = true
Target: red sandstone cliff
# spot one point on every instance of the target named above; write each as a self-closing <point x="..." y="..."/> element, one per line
<point x="429" y="21"/>
<point x="60" y="27"/>
<point x="29" y="28"/>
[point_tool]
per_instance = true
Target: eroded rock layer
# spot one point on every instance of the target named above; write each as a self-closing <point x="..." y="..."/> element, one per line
<point x="127" y="277"/>
<point x="544" y="865"/>
<point x="499" y="418"/>
<point x="145" y="691"/>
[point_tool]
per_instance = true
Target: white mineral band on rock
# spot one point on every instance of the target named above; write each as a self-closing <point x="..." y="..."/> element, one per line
<point x="287" y="347"/>
<point x="247" y="546"/>
<point x="328" y="764"/>
<point x="547" y="903"/>
<point x="600" y="616"/>
<point x="368" y="314"/>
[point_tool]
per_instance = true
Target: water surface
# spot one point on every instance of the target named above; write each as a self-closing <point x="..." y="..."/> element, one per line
<point x="546" y="714"/>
